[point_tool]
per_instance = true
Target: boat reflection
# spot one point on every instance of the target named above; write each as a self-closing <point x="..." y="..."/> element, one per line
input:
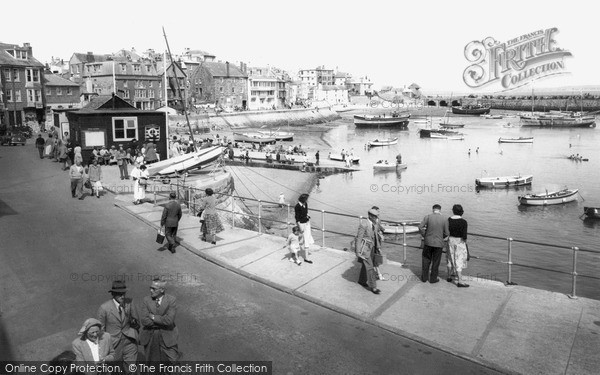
<point x="497" y="190"/>
<point x="590" y="222"/>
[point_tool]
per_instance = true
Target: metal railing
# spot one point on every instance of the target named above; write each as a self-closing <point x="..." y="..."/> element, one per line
<point x="188" y="195"/>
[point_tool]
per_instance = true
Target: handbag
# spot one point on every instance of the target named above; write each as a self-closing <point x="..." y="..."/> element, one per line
<point x="160" y="235"/>
<point x="378" y="259"/>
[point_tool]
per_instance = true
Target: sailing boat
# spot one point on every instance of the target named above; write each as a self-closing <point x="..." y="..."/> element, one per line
<point x="445" y="123"/>
<point x="562" y="119"/>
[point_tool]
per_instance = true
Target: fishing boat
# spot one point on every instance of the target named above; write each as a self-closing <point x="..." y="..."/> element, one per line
<point x="548" y="198"/>
<point x="504" y="182"/>
<point x="422" y="121"/>
<point x="592" y="212"/>
<point x="471" y="110"/>
<point x="194" y="160"/>
<point x="492" y="117"/>
<point x="516" y="140"/>
<point x="382" y="166"/>
<point x="448" y="125"/>
<point x="451" y="137"/>
<point x="577" y="158"/>
<point x="253" y="138"/>
<point x="278" y="135"/>
<point x="383" y="142"/>
<point x="339" y="157"/>
<point x="558" y="119"/>
<point x="397" y="120"/>
<point x="411" y="226"/>
<point x="426" y="133"/>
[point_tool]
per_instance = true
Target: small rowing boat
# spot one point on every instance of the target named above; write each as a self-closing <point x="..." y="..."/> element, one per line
<point x="384" y="166"/>
<point x="279" y="135"/>
<point x="195" y="160"/>
<point x="503" y="182"/>
<point x="555" y="197"/>
<point x="340" y="157"/>
<point x="397" y="228"/>
<point x="253" y="138"/>
<point x="592" y="212"/>
<point x="516" y="140"/>
<point x="383" y="142"/>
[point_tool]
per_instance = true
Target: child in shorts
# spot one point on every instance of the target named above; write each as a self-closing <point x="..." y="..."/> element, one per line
<point x="293" y="245"/>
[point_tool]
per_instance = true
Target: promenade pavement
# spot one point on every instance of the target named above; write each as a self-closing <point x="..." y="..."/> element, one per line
<point x="513" y="329"/>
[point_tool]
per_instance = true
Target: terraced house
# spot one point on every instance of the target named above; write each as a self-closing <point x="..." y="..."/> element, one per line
<point x="125" y="73"/>
<point x="219" y="83"/>
<point x="21" y="85"/>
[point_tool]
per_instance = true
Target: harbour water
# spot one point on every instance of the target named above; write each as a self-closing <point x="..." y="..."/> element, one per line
<point x="443" y="171"/>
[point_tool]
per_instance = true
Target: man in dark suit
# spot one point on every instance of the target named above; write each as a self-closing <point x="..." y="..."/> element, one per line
<point x="434" y="229"/>
<point x="159" y="334"/>
<point x="170" y="220"/>
<point x="367" y="244"/>
<point x="120" y="320"/>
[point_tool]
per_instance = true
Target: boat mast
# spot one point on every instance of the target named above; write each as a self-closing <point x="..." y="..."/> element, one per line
<point x="173" y="62"/>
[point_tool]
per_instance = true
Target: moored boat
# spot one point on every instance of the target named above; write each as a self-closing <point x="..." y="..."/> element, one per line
<point x="452" y="137"/>
<point x="397" y="120"/>
<point x="516" y="140"/>
<point x="426" y="133"/>
<point x="504" y="182"/>
<point x="559" y="119"/>
<point x="253" y="138"/>
<point x="592" y="212"/>
<point x="196" y="160"/>
<point x="383" y="142"/>
<point x="411" y="226"/>
<point x="492" y="117"/>
<point x="384" y="166"/>
<point x="340" y="157"/>
<point x="279" y="135"/>
<point x="471" y="110"/>
<point x="548" y="198"/>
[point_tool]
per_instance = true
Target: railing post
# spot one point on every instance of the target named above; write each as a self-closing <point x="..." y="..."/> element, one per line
<point x="259" y="218"/>
<point x="510" y="263"/>
<point x="573" y="294"/>
<point x="154" y="198"/>
<point x="323" y="227"/>
<point x="404" y="244"/>
<point x="288" y="219"/>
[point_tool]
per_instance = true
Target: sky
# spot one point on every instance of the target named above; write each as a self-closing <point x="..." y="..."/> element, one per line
<point x="393" y="43"/>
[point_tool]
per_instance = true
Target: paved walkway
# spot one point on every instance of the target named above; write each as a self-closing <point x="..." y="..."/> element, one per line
<point x="513" y="329"/>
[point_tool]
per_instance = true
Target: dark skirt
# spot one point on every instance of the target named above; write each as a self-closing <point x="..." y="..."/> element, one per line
<point x="212" y="224"/>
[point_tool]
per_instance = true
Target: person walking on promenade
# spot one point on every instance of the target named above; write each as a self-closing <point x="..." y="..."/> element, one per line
<point x="95" y="174"/>
<point x="159" y="334"/>
<point x="119" y="318"/>
<point x="212" y="223"/>
<point x="49" y="146"/>
<point x="122" y="163"/>
<point x="76" y="174"/>
<point x="93" y="346"/>
<point x="457" y="254"/>
<point x="317" y="156"/>
<point x="434" y="228"/>
<point x="294" y="243"/>
<point x="140" y="181"/>
<point x="303" y="222"/>
<point x="40" y="142"/>
<point x="367" y="244"/>
<point x="170" y="220"/>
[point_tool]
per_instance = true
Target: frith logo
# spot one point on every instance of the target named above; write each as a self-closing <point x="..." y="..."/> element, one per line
<point x="514" y="63"/>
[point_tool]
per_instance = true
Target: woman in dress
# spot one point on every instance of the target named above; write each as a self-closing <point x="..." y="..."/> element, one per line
<point x="456" y="256"/>
<point x="95" y="175"/>
<point x="140" y="181"/>
<point x="303" y="222"/>
<point x="151" y="156"/>
<point x="212" y="223"/>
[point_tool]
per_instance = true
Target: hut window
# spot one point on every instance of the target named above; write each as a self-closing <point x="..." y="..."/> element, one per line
<point x="124" y="128"/>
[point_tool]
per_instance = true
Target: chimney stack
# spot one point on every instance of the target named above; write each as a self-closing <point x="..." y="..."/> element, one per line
<point x="227" y="64"/>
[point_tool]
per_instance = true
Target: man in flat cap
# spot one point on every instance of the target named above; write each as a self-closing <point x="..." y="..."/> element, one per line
<point x="119" y="317"/>
<point x="367" y="244"/>
<point x="159" y="334"/>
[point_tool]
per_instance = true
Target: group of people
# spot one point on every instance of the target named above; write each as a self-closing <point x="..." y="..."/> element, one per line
<point x="113" y="336"/>
<point x="439" y="233"/>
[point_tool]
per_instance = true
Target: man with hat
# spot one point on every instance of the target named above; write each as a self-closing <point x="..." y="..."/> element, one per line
<point x="120" y="319"/>
<point x="93" y="345"/>
<point x="159" y="334"/>
<point x="368" y="243"/>
<point x="435" y="232"/>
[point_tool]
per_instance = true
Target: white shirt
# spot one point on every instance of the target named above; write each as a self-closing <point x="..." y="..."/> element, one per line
<point x="95" y="350"/>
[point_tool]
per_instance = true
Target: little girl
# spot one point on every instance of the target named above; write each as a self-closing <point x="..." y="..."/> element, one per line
<point x="293" y="244"/>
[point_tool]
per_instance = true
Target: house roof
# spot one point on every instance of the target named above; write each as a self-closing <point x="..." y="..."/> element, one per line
<point x="105" y="102"/>
<point x="333" y="87"/>
<point x="198" y="52"/>
<point x="218" y="69"/>
<point x="56" y="80"/>
<point x="342" y="75"/>
<point x="7" y="59"/>
<point x="90" y="57"/>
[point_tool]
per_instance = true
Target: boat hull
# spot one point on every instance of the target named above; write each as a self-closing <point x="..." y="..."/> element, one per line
<point x="564" y="196"/>
<point x="338" y="157"/>
<point x="197" y="160"/>
<point x="398" y="229"/>
<point x="279" y="136"/>
<point x="384" y="167"/>
<point x="471" y="111"/>
<point x="377" y="143"/>
<point x="426" y="133"/>
<point x="504" y="182"/>
<point x="257" y="138"/>
<point x="447" y="136"/>
<point x="381" y="122"/>
<point x="515" y="140"/>
<point x="559" y="121"/>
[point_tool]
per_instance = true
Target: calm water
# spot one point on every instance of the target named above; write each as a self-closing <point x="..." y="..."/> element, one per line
<point x="442" y="171"/>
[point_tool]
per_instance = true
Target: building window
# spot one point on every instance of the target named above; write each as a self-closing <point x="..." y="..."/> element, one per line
<point x="48" y="91"/>
<point x="151" y="93"/>
<point x="30" y="95"/>
<point x="123" y="68"/>
<point x="126" y="94"/>
<point x="9" y="96"/>
<point x="136" y="68"/>
<point x="33" y="75"/>
<point x="18" y="95"/>
<point x="220" y="89"/>
<point x="124" y="128"/>
<point x="151" y="84"/>
<point x="77" y="69"/>
<point x="233" y="90"/>
<point x="16" y="75"/>
<point x="148" y="68"/>
<point x="58" y="91"/>
<point x="125" y="83"/>
<point x="69" y="91"/>
<point x="7" y="76"/>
